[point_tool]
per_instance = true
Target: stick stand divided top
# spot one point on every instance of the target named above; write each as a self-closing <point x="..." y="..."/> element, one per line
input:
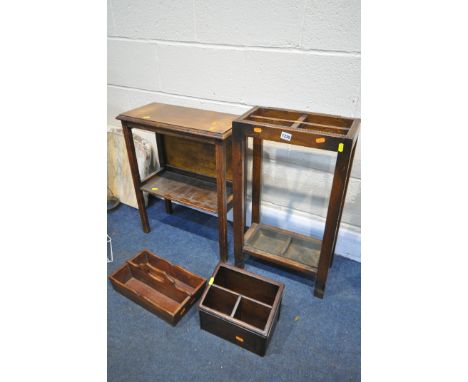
<point x="194" y="149"/>
<point x="289" y="249"/>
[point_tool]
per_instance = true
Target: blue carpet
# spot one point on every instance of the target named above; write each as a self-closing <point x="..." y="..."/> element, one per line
<point x="324" y="344"/>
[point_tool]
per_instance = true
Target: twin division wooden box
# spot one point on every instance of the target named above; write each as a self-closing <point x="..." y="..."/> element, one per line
<point x="241" y="307"/>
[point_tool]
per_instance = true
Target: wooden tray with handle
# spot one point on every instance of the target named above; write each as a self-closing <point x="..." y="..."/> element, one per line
<point x="157" y="285"/>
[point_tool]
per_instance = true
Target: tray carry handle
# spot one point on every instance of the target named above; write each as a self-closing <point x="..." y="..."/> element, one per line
<point x="161" y="277"/>
<point x="156" y="273"/>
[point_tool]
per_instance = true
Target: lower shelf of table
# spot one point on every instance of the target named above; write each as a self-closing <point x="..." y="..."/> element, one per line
<point x="282" y="247"/>
<point x="186" y="189"/>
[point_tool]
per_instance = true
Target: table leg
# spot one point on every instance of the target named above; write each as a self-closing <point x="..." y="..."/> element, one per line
<point x="132" y="160"/>
<point x="246" y="172"/>
<point x="348" y="175"/>
<point x="331" y="225"/>
<point x="256" y="179"/>
<point x="238" y="184"/>
<point x="220" y="148"/>
<point x="162" y="163"/>
<point x="168" y="206"/>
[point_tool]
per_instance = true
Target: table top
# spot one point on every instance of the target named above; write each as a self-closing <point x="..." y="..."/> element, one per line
<point x="183" y="119"/>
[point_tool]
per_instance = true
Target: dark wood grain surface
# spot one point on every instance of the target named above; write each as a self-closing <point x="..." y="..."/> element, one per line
<point x="194" y="156"/>
<point x="195" y="121"/>
<point x="185" y="189"/>
<point x="283" y="247"/>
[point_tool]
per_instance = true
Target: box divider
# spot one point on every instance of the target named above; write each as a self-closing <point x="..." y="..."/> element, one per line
<point x="299" y="121"/>
<point x="223" y="288"/>
<point x="281" y="122"/>
<point x="236" y="305"/>
<point x="243" y="296"/>
<point x="286" y="246"/>
<point x="257" y="302"/>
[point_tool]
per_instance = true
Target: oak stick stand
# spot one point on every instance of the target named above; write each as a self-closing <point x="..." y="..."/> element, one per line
<point x="289" y="249"/>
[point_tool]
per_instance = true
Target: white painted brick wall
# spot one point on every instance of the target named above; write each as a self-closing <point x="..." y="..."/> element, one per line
<point x="329" y="83"/>
<point x="132" y="64"/>
<point x="153" y="19"/>
<point x="270" y="23"/>
<point x="202" y="72"/>
<point x="229" y="55"/>
<point x="332" y="25"/>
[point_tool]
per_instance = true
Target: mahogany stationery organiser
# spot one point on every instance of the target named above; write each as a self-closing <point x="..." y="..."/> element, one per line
<point x="289" y="249"/>
<point x="157" y="285"/>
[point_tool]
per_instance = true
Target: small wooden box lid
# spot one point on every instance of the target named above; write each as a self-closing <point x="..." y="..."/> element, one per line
<point x="184" y="119"/>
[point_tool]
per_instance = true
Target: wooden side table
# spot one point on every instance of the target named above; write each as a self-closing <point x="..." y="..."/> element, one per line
<point x="194" y="149"/>
<point x="289" y="249"/>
